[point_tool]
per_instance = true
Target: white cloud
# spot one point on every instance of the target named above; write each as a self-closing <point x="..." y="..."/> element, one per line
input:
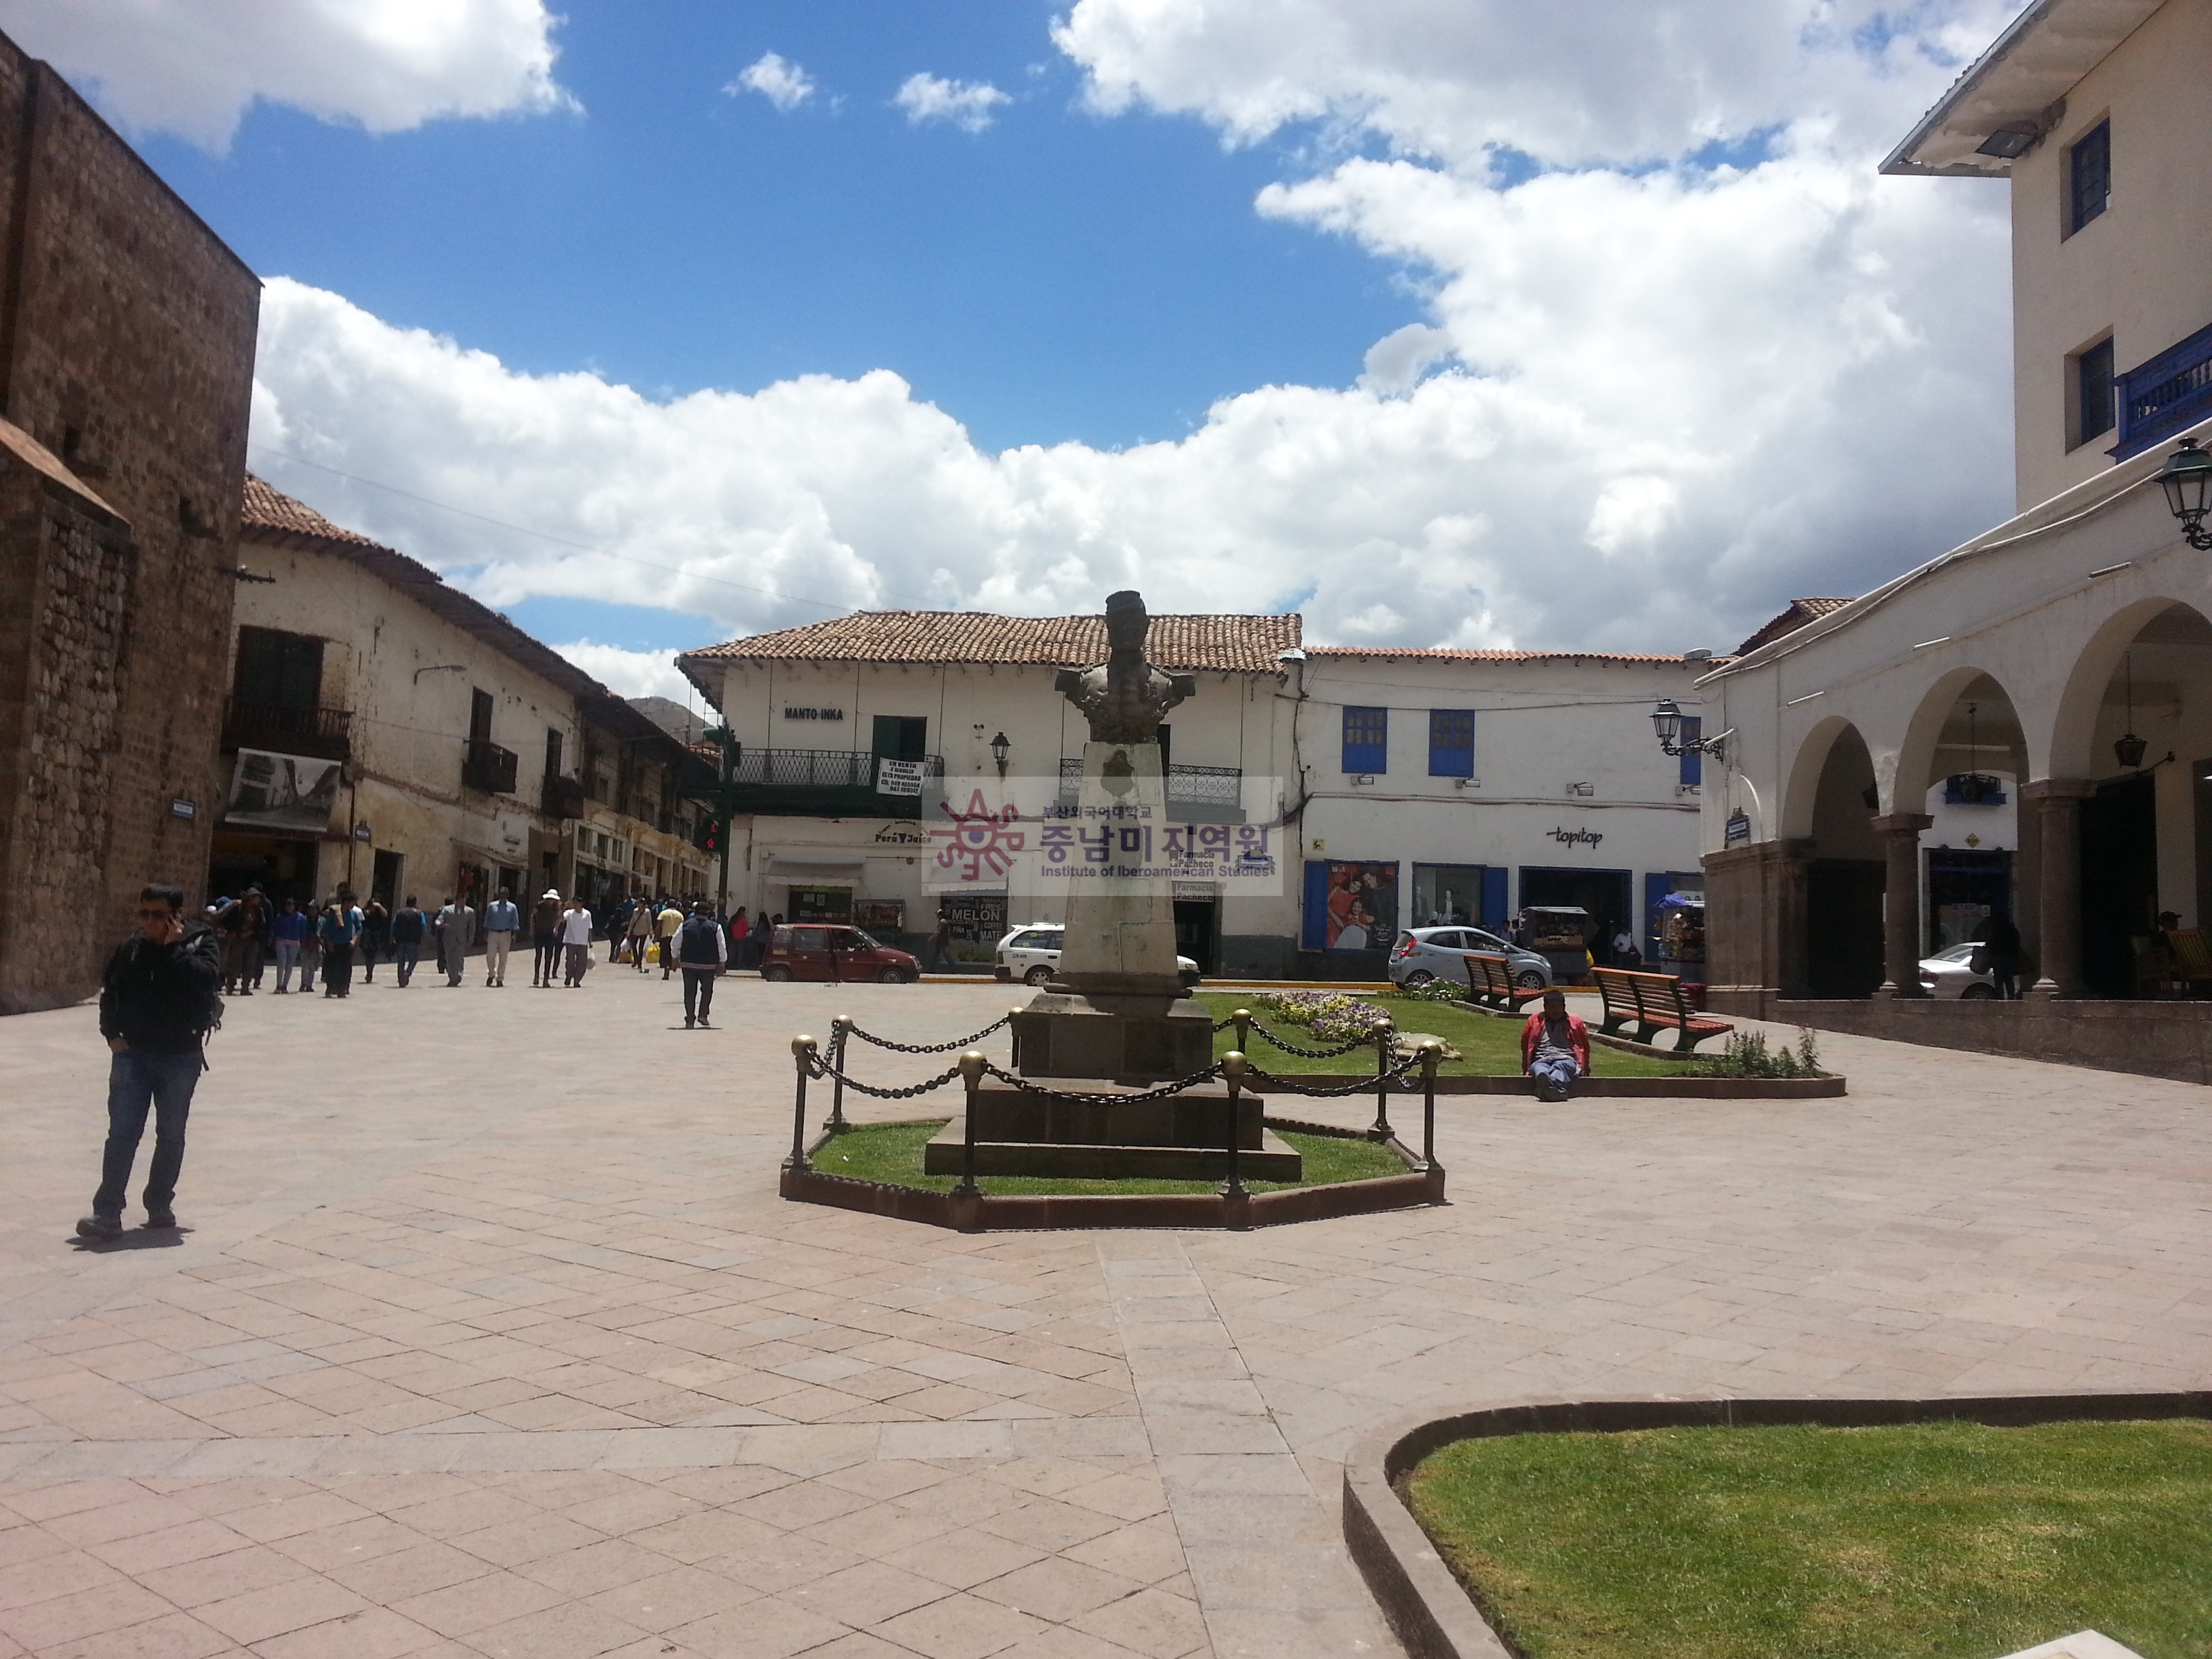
<point x="776" y="78"/>
<point x="632" y="673"/>
<point x="193" y="68"/>
<point x="965" y="104"/>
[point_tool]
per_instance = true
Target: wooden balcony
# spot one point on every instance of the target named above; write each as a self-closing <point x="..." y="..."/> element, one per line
<point x="822" y="783"/>
<point x="322" y="733"/>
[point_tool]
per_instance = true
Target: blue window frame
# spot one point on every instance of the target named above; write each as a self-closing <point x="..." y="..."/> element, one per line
<point x="1366" y="739"/>
<point x="1693" y="764"/>
<point x="1451" y="743"/>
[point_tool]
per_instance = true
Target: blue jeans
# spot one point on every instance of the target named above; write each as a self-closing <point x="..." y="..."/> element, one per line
<point x="137" y="1081"/>
<point x="403" y="959"/>
<point x="1555" y="1077"/>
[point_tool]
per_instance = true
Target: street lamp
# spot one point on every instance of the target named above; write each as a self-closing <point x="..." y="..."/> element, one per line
<point x="1666" y="721"/>
<point x="2187" y="479"/>
<point x="1000" y="750"/>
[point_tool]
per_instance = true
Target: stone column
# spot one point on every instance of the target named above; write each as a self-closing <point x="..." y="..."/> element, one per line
<point x="2057" y="803"/>
<point x="1900" y="903"/>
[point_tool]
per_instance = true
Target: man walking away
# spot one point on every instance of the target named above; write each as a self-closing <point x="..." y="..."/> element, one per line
<point x="408" y="926"/>
<point x="457" y="930"/>
<point x="501" y="920"/>
<point x="700" y="946"/>
<point x="576" y="939"/>
<point x="285" y="934"/>
<point x="545" y="936"/>
<point x="158" y="999"/>
<point x="241" y="925"/>
<point x="1999" y="955"/>
<point x="1555" y="1049"/>
<point x="667" y="923"/>
<point x="376" y="937"/>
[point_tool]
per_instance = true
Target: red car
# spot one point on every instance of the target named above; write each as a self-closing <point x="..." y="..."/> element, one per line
<point x="830" y="951"/>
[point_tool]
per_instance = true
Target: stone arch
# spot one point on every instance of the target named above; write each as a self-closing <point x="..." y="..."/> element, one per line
<point x="1921" y="755"/>
<point x="2071" y="744"/>
<point x="1801" y="793"/>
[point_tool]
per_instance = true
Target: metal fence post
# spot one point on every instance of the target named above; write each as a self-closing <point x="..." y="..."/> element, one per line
<point x="971" y="1072"/>
<point x="840" y="1027"/>
<point x="802" y="1053"/>
<point x="1242" y="1018"/>
<point x="1385" y="1035"/>
<point x="1432" y="1053"/>
<point x="1235" y="1202"/>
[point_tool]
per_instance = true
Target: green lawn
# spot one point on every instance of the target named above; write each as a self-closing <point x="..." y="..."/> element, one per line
<point x="1937" y="1541"/>
<point x="1491" y="1047"/>
<point x="891" y="1152"/>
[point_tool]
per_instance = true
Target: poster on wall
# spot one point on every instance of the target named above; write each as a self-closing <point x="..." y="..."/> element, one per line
<point x="281" y="791"/>
<point x="1358" y="905"/>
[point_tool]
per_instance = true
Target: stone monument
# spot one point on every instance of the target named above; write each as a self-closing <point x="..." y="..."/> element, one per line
<point x="1116" y="1007"/>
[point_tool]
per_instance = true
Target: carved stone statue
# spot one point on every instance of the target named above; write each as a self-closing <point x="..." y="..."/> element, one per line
<point x="1124" y="697"/>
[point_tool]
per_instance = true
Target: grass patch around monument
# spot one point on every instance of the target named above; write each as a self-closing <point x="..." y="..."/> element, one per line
<point x="1942" y="1541"/>
<point x="892" y="1153"/>
<point x="1491" y="1046"/>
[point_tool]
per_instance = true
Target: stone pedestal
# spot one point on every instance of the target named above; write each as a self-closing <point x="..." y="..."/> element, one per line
<point x="1183" y="1137"/>
<point x="1130" y="1039"/>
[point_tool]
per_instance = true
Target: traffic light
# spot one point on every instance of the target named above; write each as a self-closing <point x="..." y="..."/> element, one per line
<point x="710" y="835"/>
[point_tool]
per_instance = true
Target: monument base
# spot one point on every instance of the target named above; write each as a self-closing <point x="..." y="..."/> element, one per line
<point x="1272" y="1159"/>
<point x="1132" y="1039"/>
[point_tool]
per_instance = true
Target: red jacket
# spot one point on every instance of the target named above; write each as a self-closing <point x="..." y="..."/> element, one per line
<point x="1577" y="1038"/>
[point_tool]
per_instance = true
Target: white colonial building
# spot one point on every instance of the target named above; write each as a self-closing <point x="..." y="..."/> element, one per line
<point x="2039" y="698"/>
<point x="1389" y="789"/>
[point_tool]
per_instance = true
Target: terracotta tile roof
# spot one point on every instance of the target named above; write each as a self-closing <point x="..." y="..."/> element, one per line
<point x="1800" y="612"/>
<point x="1426" y="653"/>
<point x="1224" y="644"/>
<point x="269" y="509"/>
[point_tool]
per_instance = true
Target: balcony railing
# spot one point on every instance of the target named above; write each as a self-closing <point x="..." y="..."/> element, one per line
<point x="563" y="797"/>
<point x="2168" y="394"/>
<point x="489" y="768"/>
<point x="1205" y="795"/>
<point x="822" y="783"/>
<point x="324" y="733"/>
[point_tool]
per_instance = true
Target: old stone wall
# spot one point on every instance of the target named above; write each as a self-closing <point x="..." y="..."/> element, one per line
<point x="126" y="349"/>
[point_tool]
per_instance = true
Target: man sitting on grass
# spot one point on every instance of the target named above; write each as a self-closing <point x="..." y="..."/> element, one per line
<point x="1555" y="1049"/>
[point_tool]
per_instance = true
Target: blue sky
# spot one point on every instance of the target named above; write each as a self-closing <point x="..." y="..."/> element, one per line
<point x="1061" y="275"/>
<point x="1451" y="322"/>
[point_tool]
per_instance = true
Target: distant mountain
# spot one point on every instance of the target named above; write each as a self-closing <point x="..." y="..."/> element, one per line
<point x="672" y="718"/>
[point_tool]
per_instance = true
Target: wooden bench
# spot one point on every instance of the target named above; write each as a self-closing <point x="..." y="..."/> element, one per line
<point x="1656" y="1003"/>
<point x="1490" y="983"/>
<point x="2192" y="958"/>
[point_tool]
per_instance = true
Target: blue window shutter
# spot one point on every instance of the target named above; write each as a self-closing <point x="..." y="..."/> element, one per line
<point x="1493" y="897"/>
<point x="1451" y="743"/>
<point x="1693" y="764"/>
<point x="1316" y="917"/>
<point x="1366" y="739"/>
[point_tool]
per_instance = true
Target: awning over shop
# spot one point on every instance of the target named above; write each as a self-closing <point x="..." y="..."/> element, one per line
<point x="815" y="867"/>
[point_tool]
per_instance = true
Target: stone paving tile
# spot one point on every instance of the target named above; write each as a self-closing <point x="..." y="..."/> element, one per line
<point x="544" y="1368"/>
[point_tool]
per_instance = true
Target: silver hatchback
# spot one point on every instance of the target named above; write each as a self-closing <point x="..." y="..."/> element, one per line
<point x="1425" y="953"/>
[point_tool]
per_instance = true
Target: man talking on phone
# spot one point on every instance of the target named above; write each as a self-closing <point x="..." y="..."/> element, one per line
<point x="157" y="1002"/>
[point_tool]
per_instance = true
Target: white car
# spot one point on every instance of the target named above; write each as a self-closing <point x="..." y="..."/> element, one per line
<point x="1031" y="954"/>
<point x="1950" y="974"/>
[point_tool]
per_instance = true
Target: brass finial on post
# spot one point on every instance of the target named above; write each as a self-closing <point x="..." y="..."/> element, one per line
<point x="1433" y="1054"/>
<point x="804" y="1050"/>
<point x="1242" y="1018"/>
<point x="1385" y="1034"/>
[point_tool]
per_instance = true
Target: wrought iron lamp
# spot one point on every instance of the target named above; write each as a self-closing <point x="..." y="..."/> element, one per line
<point x="1666" y="721"/>
<point x="2186" y="478"/>
<point x="2128" y="750"/>
<point x="1000" y="750"/>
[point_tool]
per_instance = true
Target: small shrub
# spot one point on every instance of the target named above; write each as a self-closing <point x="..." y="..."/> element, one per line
<point x="1748" y="1055"/>
<point x="1435" y="990"/>
<point x="1333" y="1016"/>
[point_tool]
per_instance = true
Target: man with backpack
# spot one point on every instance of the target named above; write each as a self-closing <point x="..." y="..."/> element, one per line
<point x="702" y="951"/>
<point x="158" y="999"/>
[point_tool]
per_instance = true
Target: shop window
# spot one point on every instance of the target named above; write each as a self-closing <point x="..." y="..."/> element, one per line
<point x="1447" y="894"/>
<point x="1692" y="772"/>
<point x="1366" y="741"/>
<point x="2089" y="177"/>
<point x="1451" y="743"/>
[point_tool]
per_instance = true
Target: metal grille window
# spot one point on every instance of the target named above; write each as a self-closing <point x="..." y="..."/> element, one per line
<point x="2089" y="177"/>
<point x="1451" y="743"/>
<point x="2093" y="393"/>
<point x="1366" y="741"/>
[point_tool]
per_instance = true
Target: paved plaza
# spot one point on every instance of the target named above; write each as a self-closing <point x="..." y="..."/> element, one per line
<point x="487" y="1335"/>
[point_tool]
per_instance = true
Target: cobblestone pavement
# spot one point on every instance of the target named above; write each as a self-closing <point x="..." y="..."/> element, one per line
<point x="488" y="1335"/>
